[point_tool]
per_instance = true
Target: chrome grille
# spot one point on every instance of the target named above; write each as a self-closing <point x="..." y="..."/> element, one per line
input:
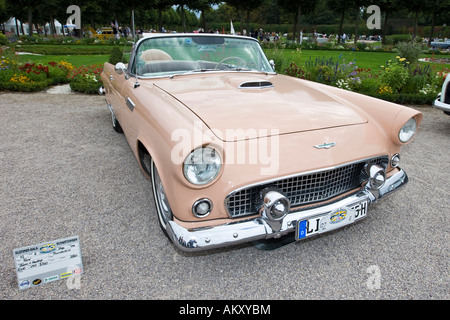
<point x="304" y="188"/>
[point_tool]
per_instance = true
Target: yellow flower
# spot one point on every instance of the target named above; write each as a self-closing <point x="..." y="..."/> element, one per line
<point x="398" y="57"/>
<point x="20" y="79"/>
<point x="402" y="59"/>
<point x="66" y="65"/>
<point x="385" y="89"/>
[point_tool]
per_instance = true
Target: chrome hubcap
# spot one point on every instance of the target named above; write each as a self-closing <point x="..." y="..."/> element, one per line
<point x="163" y="203"/>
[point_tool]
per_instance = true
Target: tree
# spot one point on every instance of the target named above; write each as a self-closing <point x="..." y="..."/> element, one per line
<point x="415" y="7"/>
<point x="203" y="6"/>
<point x="357" y="5"/>
<point x="47" y="12"/>
<point x="436" y="8"/>
<point x="341" y="7"/>
<point x="299" y="7"/>
<point x="387" y="7"/>
<point x="182" y="4"/>
<point x="17" y="10"/>
<point x="3" y="14"/>
<point x="245" y="6"/>
<point x="161" y="6"/>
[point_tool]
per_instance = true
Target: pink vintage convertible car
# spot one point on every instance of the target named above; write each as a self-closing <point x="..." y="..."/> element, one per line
<point x="238" y="153"/>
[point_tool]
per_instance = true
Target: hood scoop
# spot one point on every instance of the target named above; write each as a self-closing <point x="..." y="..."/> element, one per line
<point x="256" y="84"/>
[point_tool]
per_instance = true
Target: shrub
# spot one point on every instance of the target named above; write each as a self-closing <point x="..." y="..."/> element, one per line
<point x="59" y="72"/>
<point x="21" y="82"/>
<point x="369" y="85"/>
<point x="116" y="55"/>
<point x="35" y="72"/>
<point x="405" y="98"/>
<point x="283" y="61"/>
<point x="295" y="71"/>
<point x="86" y="79"/>
<point x="397" y="38"/>
<point x="410" y="51"/>
<point x="6" y="63"/>
<point x="395" y="74"/>
<point x="324" y="70"/>
<point x="30" y="77"/>
<point x="3" y="40"/>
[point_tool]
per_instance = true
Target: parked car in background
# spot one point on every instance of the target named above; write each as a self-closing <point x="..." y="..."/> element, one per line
<point x="103" y="33"/>
<point x="442" y="101"/>
<point x="236" y="152"/>
<point x="441" y="44"/>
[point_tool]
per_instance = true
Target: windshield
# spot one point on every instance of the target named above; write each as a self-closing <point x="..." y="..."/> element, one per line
<point x="165" y="56"/>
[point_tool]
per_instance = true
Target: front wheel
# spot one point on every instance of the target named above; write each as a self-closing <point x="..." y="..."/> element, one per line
<point x="161" y="201"/>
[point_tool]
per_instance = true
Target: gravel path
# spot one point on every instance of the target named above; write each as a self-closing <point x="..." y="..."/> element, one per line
<point x="65" y="172"/>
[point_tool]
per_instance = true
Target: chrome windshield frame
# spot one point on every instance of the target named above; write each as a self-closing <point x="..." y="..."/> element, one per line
<point x="135" y="50"/>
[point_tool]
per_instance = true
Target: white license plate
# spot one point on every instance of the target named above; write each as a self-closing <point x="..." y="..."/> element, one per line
<point x="332" y="220"/>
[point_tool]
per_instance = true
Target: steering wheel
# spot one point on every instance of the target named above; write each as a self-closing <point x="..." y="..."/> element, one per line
<point x="243" y="64"/>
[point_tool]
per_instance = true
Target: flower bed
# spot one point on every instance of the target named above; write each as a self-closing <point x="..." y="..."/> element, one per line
<point x="32" y="77"/>
<point x="86" y="79"/>
<point x="398" y="81"/>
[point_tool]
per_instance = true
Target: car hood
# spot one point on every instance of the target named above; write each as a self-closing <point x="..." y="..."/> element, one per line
<point x="237" y="106"/>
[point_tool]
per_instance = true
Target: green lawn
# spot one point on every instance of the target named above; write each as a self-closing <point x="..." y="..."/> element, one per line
<point x="76" y="60"/>
<point x="76" y="54"/>
<point x="363" y="59"/>
<point x="282" y="57"/>
<point x="72" y="49"/>
<point x="367" y="60"/>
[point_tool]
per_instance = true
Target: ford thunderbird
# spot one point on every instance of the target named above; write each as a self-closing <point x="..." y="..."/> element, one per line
<point x="237" y="153"/>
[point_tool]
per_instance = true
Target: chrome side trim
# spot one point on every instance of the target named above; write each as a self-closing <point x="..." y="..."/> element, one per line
<point x="130" y="104"/>
<point x="259" y="228"/>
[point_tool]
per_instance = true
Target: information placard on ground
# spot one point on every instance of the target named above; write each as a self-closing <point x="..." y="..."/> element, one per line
<point x="46" y="262"/>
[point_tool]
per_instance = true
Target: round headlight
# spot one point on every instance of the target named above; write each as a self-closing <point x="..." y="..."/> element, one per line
<point x="408" y="130"/>
<point x="202" y="166"/>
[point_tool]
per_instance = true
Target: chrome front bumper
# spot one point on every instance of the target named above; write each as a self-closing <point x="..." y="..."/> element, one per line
<point x="441" y="105"/>
<point x="259" y="228"/>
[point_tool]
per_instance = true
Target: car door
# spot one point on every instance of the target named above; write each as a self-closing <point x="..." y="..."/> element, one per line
<point x="128" y="103"/>
<point x="113" y="83"/>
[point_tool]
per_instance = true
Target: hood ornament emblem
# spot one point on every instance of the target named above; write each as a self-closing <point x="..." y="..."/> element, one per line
<point x="325" y="145"/>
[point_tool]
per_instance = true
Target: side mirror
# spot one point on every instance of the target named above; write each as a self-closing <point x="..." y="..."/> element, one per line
<point x="272" y="63"/>
<point x="120" y="68"/>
